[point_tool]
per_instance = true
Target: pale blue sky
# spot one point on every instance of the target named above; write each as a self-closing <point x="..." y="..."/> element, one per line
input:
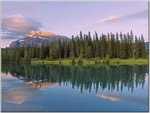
<point x="68" y="18"/>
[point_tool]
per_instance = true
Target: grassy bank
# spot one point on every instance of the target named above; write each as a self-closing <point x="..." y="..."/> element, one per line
<point x="87" y="62"/>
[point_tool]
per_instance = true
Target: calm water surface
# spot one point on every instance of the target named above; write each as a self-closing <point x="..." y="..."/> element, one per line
<point x="63" y="88"/>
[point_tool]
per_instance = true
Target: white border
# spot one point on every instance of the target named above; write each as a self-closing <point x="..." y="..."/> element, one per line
<point x="74" y="1"/>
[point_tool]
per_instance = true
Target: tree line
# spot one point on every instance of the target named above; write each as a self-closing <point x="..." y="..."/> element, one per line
<point x="86" y="46"/>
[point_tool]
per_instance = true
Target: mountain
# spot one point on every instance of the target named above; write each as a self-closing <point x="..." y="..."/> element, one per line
<point x="36" y="38"/>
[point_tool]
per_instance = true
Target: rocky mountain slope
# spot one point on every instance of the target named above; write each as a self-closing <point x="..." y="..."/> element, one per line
<point x="36" y="38"/>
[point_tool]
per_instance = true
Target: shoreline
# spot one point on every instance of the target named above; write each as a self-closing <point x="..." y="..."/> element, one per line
<point x="92" y="62"/>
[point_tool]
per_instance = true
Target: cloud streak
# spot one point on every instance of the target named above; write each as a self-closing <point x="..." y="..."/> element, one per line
<point x="136" y="15"/>
<point x="106" y="20"/>
<point x="112" y="19"/>
<point x="16" y="26"/>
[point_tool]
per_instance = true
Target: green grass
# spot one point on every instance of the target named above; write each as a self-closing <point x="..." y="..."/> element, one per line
<point x="94" y="61"/>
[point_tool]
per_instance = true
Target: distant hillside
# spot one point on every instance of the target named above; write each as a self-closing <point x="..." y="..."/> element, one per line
<point x="36" y="38"/>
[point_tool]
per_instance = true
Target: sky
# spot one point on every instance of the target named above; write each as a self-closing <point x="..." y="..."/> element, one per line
<point x="69" y="18"/>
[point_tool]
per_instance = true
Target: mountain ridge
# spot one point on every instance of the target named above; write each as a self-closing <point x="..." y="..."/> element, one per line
<point x="36" y="38"/>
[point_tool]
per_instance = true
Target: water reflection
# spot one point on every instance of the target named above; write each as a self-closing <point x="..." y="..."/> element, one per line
<point x="84" y="78"/>
<point x="15" y="91"/>
<point x="108" y="96"/>
<point x="40" y="84"/>
<point x="140" y="99"/>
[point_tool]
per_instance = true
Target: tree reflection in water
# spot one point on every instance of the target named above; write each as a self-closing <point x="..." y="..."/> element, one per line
<point x="84" y="78"/>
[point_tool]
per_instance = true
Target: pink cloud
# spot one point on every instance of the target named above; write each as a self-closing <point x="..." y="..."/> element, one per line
<point x="106" y="20"/>
<point x="18" y="25"/>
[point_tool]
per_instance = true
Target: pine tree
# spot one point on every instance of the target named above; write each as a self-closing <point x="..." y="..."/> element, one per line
<point x="117" y="46"/>
<point x="97" y="46"/>
<point x="136" y="48"/>
<point x="42" y="52"/>
<point x="72" y="48"/>
<point x="142" y="48"/>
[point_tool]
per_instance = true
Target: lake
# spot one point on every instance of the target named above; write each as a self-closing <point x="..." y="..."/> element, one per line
<point x="69" y="88"/>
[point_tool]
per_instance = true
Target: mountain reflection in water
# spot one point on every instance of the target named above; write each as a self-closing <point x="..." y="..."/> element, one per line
<point x="83" y="78"/>
<point x="40" y="84"/>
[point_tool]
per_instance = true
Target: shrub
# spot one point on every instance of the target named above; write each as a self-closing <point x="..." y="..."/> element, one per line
<point x="103" y="62"/>
<point x="96" y="62"/>
<point x="47" y="58"/>
<point x="99" y="62"/>
<point x="59" y="61"/>
<point x="117" y="61"/>
<point x="107" y="59"/>
<point x="72" y="62"/>
<point x="80" y="62"/>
